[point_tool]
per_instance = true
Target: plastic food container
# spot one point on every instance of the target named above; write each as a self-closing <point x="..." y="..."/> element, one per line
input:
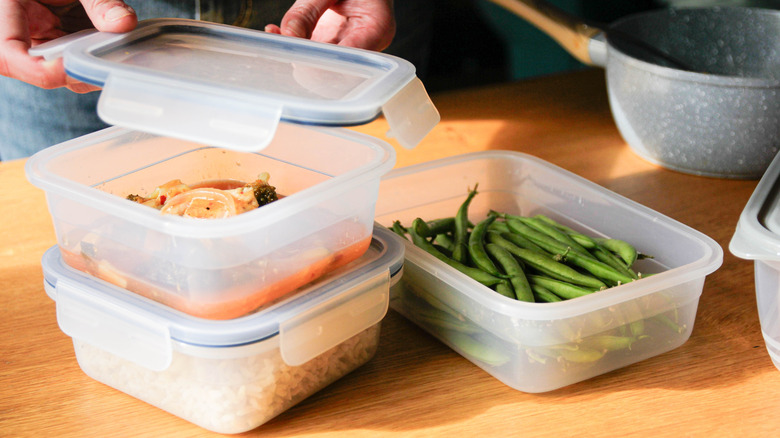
<point x="212" y="268"/>
<point x="197" y="101"/>
<point x="227" y="376"/>
<point x="539" y="347"/>
<point x="757" y="238"/>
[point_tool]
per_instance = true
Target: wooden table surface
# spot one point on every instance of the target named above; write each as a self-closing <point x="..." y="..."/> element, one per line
<point x="721" y="382"/>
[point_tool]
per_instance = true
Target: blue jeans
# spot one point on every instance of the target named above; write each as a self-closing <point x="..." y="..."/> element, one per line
<point x="32" y="118"/>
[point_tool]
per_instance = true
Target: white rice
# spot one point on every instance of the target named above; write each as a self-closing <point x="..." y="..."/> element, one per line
<point x="231" y="392"/>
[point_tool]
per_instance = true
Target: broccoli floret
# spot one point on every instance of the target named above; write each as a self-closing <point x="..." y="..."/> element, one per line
<point x="265" y="194"/>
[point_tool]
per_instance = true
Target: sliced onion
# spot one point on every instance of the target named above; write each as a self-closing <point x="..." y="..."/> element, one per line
<point x="205" y="203"/>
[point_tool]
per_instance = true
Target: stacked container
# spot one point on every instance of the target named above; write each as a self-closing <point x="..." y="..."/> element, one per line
<point x="215" y="268"/>
<point x="227" y="376"/>
<point x="225" y="322"/>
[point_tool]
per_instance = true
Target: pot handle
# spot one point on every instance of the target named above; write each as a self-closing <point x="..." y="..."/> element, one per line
<point x="572" y="33"/>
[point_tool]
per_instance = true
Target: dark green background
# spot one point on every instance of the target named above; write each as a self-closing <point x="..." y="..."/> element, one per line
<point x="476" y="42"/>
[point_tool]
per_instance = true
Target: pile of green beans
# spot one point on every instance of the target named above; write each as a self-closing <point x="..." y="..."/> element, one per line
<point x="625" y="333"/>
<point x="527" y="258"/>
<point x="532" y="259"/>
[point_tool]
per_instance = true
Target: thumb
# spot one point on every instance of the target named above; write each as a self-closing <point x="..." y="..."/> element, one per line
<point x="302" y="17"/>
<point x="110" y="15"/>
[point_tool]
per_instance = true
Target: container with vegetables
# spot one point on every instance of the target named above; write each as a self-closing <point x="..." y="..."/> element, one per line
<point x="539" y="277"/>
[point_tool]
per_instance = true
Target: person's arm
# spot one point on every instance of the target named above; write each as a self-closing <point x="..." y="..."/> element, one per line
<point x="365" y="24"/>
<point x="25" y="24"/>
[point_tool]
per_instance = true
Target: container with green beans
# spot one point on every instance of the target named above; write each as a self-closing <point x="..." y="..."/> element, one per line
<point x="632" y="276"/>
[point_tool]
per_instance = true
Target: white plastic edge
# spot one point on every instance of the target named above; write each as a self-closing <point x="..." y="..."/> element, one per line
<point x="751" y="239"/>
<point x="410" y="114"/>
<point x="322" y="327"/>
<point x="772" y="346"/>
<point x="100" y="323"/>
<point x="154" y="107"/>
<point x="54" y="49"/>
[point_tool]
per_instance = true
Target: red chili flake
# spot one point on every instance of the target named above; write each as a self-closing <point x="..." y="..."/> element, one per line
<point x="162" y="199"/>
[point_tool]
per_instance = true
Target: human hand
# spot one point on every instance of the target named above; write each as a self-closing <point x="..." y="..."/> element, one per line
<point x="27" y="23"/>
<point x="365" y="24"/>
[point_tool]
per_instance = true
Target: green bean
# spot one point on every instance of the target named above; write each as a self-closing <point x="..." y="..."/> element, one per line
<point x="430" y="300"/>
<point x="565" y="330"/>
<point x="597" y="319"/>
<point x="435" y="227"/>
<point x="475" y="349"/>
<point x="444" y="250"/>
<point x="584" y="241"/>
<point x="476" y="242"/>
<point x="623" y="330"/>
<point x="546" y="242"/>
<point x="563" y="289"/>
<point x="553" y="232"/>
<point x="582" y="355"/>
<point x="630" y="317"/>
<point x="523" y="242"/>
<point x="625" y="250"/>
<point x="421" y="229"/>
<point x="571" y="353"/>
<point x="543" y="294"/>
<point x="440" y="226"/>
<point x="499" y="227"/>
<point x="576" y="258"/>
<point x="460" y="252"/>
<point x="517" y="278"/>
<point x="546" y="265"/>
<point x="609" y="342"/>
<point x="536" y="357"/>
<point x="668" y="322"/>
<point x="603" y="255"/>
<point x="475" y="273"/>
<point x="595" y="267"/>
<point x="505" y="289"/>
<point x="444" y="240"/>
<point x="596" y="250"/>
<point x="399" y="229"/>
<point x="442" y="320"/>
<point x="636" y="321"/>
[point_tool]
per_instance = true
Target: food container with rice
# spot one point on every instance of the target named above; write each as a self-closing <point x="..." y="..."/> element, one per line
<point x="569" y="316"/>
<point x="227" y="376"/>
<point x="227" y="181"/>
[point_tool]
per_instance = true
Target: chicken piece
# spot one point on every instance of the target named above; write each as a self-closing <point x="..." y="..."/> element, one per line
<point x="161" y="194"/>
<point x="177" y="198"/>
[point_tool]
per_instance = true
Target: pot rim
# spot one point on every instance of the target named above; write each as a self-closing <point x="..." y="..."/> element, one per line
<point x="707" y="79"/>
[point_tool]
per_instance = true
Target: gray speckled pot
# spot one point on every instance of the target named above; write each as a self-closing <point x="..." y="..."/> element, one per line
<point x="722" y="123"/>
<point x="718" y="116"/>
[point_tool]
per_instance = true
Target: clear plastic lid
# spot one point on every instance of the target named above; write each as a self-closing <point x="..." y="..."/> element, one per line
<point x="757" y="235"/>
<point x="309" y="322"/>
<point x="230" y="87"/>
